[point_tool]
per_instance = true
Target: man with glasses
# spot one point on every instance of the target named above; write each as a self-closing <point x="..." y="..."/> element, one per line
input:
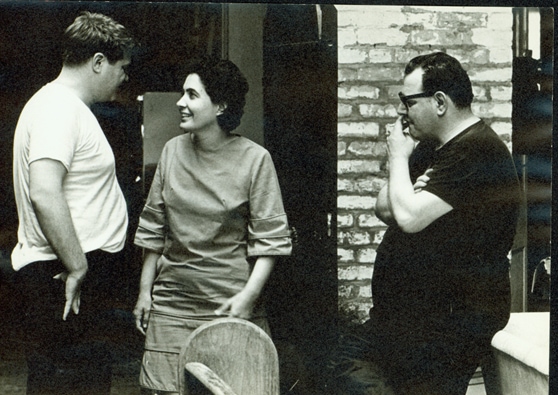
<point x="72" y="213"/>
<point x="441" y="277"/>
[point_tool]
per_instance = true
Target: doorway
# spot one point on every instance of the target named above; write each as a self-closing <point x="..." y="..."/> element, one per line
<point x="300" y="131"/>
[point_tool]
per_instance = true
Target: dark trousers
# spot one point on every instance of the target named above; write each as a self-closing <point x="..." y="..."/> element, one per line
<point x="68" y="357"/>
<point x="370" y="361"/>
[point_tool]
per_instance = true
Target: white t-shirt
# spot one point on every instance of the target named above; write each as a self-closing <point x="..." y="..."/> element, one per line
<point x="56" y="124"/>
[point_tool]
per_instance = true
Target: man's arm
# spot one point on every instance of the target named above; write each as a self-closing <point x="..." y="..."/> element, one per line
<point x="46" y="178"/>
<point x="412" y="211"/>
<point x="383" y="208"/>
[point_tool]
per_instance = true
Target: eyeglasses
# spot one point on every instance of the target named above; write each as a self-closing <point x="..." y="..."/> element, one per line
<point x="404" y="99"/>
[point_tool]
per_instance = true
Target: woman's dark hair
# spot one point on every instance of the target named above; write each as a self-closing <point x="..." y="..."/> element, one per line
<point x="444" y="73"/>
<point x="91" y="33"/>
<point x="225" y="84"/>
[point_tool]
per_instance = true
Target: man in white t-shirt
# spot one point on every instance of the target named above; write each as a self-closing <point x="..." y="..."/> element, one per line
<point x="72" y="213"/>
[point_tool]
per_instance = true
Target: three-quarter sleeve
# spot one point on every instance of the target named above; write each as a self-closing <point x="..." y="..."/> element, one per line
<point x="152" y="222"/>
<point x="268" y="229"/>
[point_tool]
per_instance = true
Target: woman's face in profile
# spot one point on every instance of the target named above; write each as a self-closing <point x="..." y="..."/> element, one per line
<point x="197" y="110"/>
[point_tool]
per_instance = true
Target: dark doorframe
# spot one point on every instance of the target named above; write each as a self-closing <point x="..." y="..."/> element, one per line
<point x="300" y="131"/>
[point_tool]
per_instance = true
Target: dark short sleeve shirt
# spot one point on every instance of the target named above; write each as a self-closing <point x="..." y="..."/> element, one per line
<point x="429" y="274"/>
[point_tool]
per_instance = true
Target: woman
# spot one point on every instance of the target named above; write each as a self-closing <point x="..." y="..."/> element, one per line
<point x="212" y="224"/>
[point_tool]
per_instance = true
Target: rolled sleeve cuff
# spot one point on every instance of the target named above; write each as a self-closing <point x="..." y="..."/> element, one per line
<point x="270" y="236"/>
<point x="151" y="232"/>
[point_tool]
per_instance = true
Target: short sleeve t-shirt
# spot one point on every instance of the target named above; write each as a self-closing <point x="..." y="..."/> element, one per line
<point x="475" y="174"/>
<point x="56" y="124"/>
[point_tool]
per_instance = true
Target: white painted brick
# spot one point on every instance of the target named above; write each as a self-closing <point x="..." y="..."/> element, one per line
<point x="354" y="238"/>
<point x="341" y="148"/>
<point x="501" y="74"/>
<point x="502" y="128"/>
<point x="345" y="220"/>
<point x="368" y="15"/>
<point x="344" y="291"/>
<point x="365" y="292"/>
<point x="379" y="236"/>
<point x="501" y="93"/>
<point x="368" y="148"/>
<point x="380" y="55"/>
<point x="492" y="110"/>
<point x="353" y="92"/>
<point x="366" y="255"/>
<point x="346" y="36"/>
<point x="345" y="202"/>
<point x="501" y="54"/>
<point x="425" y="19"/>
<point x="351" y="55"/>
<point x="480" y="93"/>
<point x="369" y="221"/>
<point x="355" y="273"/>
<point x="370" y="184"/>
<point x="500" y="18"/>
<point x="491" y="38"/>
<point x="466" y="19"/>
<point x="344" y="110"/>
<point x="384" y="73"/>
<point x="358" y="129"/>
<point x="379" y="36"/>
<point x="345" y="74"/>
<point x="345" y="185"/>
<point x="377" y="110"/>
<point x="358" y="166"/>
<point x="345" y="255"/>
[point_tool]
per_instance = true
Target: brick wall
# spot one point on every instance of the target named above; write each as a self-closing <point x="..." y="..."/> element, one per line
<point x="375" y="43"/>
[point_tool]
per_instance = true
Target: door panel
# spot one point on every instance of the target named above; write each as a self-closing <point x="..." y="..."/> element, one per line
<point x="300" y="112"/>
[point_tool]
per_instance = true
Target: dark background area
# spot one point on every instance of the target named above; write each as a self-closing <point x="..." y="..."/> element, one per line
<point x="31" y="56"/>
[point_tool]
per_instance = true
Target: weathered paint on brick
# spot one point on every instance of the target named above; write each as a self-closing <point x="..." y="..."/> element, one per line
<point x="377" y="110"/>
<point x="369" y="221"/>
<point x="345" y="255"/>
<point x="344" y="110"/>
<point x="345" y="220"/>
<point x="501" y="93"/>
<point x="368" y="148"/>
<point x="358" y="129"/>
<point x="492" y="110"/>
<point x="358" y="166"/>
<point x="366" y="255"/>
<point x="500" y="74"/>
<point x="341" y="148"/>
<point x="356" y="202"/>
<point x="353" y="92"/>
<point x="355" y="273"/>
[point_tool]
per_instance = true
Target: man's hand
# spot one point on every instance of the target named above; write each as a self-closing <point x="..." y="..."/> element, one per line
<point x="400" y="143"/>
<point x="73" y="282"/>
<point x="422" y="181"/>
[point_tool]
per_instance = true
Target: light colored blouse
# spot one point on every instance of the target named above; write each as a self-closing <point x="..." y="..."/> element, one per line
<point x="207" y="212"/>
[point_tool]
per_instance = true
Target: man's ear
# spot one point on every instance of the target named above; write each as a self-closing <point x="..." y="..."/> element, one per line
<point x="441" y="102"/>
<point x="221" y="108"/>
<point x="97" y="62"/>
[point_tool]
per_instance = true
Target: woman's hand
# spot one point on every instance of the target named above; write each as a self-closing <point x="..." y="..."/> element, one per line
<point x="142" y="310"/>
<point x="240" y="305"/>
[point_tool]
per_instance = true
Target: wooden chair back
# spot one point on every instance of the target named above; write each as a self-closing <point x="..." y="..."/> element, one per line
<point x="230" y="356"/>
